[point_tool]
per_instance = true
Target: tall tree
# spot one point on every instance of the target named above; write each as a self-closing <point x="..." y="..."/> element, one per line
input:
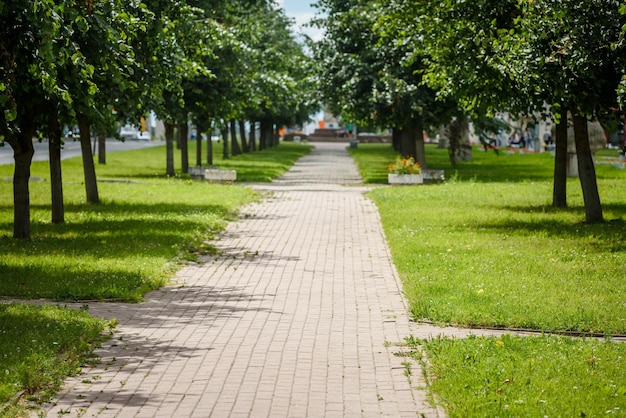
<point x="366" y="77"/>
<point x="30" y="83"/>
<point x="541" y="55"/>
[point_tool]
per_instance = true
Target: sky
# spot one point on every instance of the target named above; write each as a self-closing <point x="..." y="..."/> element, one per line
<point x="302" y="12"/>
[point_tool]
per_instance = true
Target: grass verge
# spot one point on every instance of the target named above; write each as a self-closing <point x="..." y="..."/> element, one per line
<point x="41" y="346"/>
<point x="486" y="249"/>
<point x="489" y="250"/>
<point x="514" y="376"/>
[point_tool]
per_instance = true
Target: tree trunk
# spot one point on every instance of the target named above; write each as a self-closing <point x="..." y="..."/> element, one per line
<point x="252" y="142"/>
<point x="91" y="185"/>
<point x="242" y="131"/>
<point x="209" y="146"/>
<point x="408" y="146"/>
<point x="224" y="132"/>
<point x="179" y="143"/>
<point x="169" y="149"/>
<point x="420" y="148"/>
<point x="267" y="134"/>
<point x="199" y="131"/>
<point x="183" y="134"/>
<point x="236" y="149"/>
<point x="102" y="149"/>
<point x="21" y="196"/>
<point x="263" y="134"/>
<point x="23" y="152"/>
<point x="54" y="154"/>
<point x="559" y="191"/>
<point x="274" y="134"/>
<point x="586" y="169"/>
<point x="395" y="139"/>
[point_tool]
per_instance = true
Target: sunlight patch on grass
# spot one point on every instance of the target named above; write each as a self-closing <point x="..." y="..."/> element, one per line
<point x="512" y="376"/>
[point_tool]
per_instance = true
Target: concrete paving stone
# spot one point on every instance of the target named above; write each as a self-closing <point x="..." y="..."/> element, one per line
<point x="294" y="318"/>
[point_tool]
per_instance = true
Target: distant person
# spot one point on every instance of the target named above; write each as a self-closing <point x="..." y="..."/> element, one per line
<point x="515" y="140"/>
<point x="528" y="140"/>
<point x="547" y="140"/>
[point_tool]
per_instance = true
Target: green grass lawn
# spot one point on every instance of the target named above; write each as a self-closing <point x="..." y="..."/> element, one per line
<point x="119" y="249"/>
<point x="129" y="243"/>
<point x="40" y="347"/>
<point x="485" y="248"/>
<point x="546" y="376"/>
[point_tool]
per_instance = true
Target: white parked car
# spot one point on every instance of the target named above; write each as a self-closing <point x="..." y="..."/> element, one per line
<point x="143" y="136"/>
<point x="128" y="132"/>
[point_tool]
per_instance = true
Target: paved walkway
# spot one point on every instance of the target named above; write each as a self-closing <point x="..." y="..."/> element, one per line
<point x="300" y="316"/>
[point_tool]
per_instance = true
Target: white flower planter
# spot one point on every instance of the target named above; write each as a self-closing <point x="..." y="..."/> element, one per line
<point x="216" y="175"/>
<point x="405" y="178"/>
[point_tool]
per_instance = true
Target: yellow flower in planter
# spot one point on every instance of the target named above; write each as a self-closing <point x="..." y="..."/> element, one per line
<point x="404" y="166"/>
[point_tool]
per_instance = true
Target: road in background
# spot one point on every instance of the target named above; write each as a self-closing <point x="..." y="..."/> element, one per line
<point x="72" y="149"/>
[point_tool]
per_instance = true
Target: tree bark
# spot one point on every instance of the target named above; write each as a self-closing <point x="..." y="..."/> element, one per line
<point x="91" y="184"/>
<point x="267" y="133"/>
<point x="183" y="134"/>
<point x="23" y="152"/>
<point x="263" y="135"/>
<point x="273" y="132"/>
<point x="224" y="132"/>
<point x="395" y="139"/>
<point x="252" y="142"/>
<point x="271" y="135"/>
<point x="408" y="147"/>
<point x="102" y="149"/>
<point x="21" y="195"/>
<point x="169" y="149"/>
<point x="242" y="131"/>
<point x="420" y="148"/>
<point x="54" y="154"/>
<point x="199" y="131"/>
<point x="559" y="191"/>
<point x="179" y="144"/>
<point x="586" y="169"/>
<point x="209" y="146"/>
<point x="236" y="149"/>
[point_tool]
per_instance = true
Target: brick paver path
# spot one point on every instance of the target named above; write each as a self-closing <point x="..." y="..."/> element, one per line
<point x="300" y="316"/>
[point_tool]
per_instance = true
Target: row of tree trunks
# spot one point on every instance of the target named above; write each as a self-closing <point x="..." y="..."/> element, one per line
<point x="229" y="134"/>
<point x="268" y="138"/>
<point x="586" y="168"/>
<point x="235" y="148"/>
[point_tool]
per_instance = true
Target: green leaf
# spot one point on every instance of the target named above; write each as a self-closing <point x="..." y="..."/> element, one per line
<point x="10" y="114"/>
